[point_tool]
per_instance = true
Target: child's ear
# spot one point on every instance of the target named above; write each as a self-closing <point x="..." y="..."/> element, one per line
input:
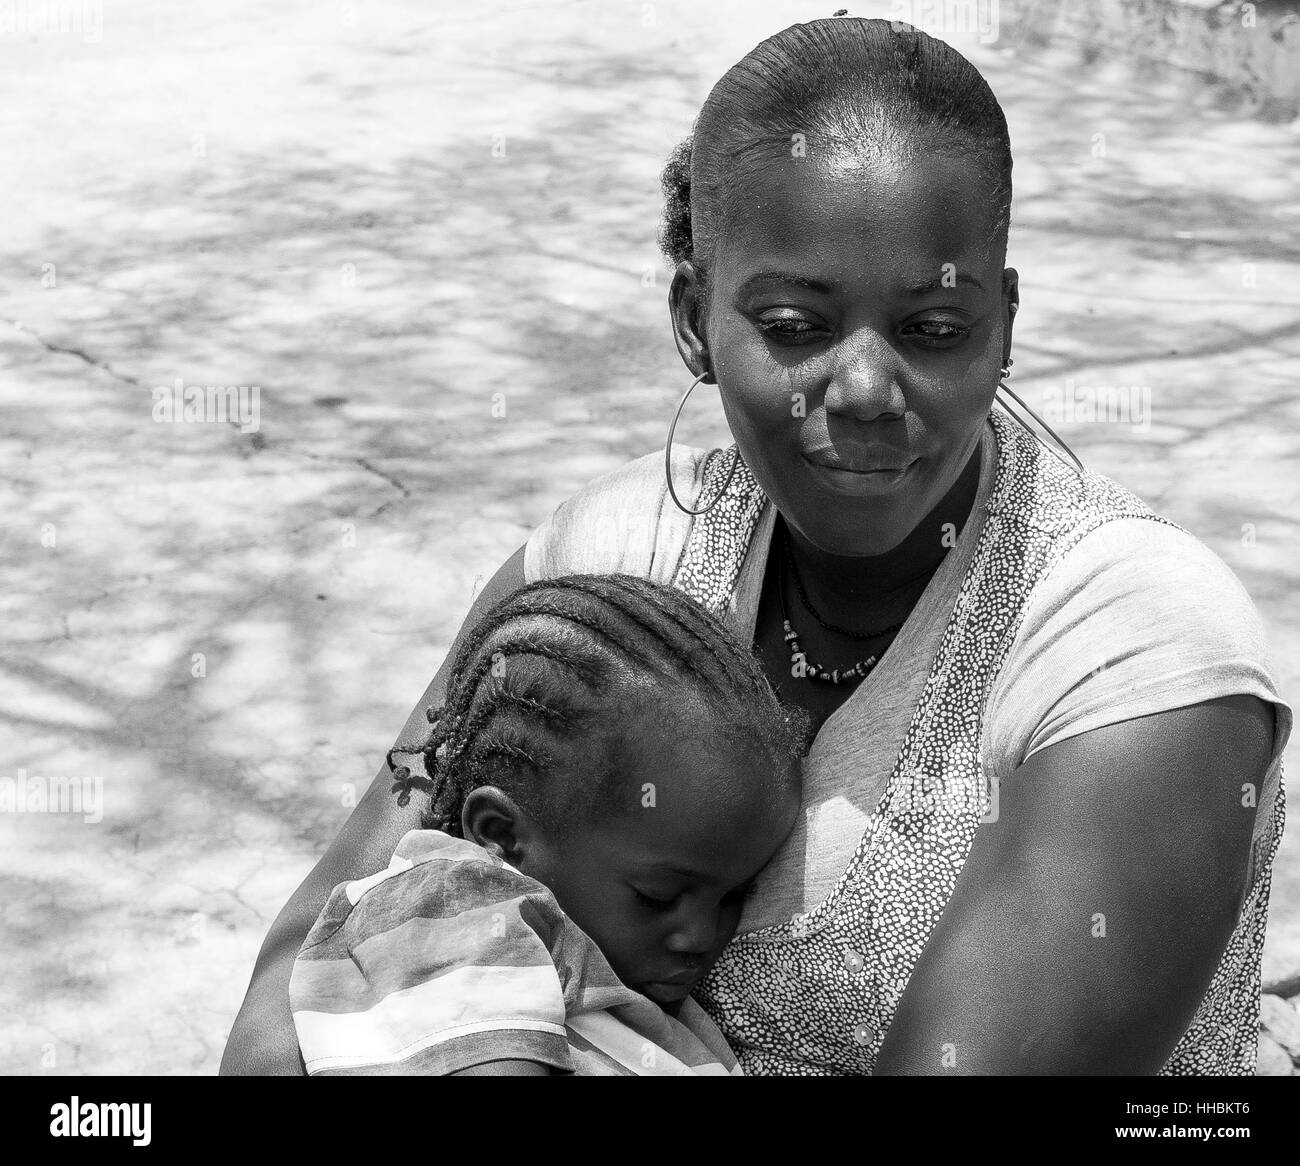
<point x="1010" y="305"/>
<point x="688" y="308"/>
<point x="493" y="819"/>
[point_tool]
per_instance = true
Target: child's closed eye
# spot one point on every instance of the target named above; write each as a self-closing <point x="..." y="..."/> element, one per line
<point x="654" y="904"/>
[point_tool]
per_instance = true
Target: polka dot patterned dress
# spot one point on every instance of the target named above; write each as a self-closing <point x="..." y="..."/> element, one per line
<point x="816" y="995"/>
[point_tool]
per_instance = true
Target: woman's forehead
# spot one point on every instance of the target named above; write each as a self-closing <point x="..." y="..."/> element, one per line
<point x="884" y="218"/>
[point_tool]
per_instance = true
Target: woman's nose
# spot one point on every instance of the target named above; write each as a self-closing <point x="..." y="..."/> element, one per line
<point x="865" y="383"/>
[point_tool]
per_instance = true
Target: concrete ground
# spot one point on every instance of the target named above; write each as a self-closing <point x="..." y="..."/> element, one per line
<point x="395" y="218"/>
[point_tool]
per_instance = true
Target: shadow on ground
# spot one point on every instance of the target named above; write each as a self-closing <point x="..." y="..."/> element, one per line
<point x="431" y="245"/>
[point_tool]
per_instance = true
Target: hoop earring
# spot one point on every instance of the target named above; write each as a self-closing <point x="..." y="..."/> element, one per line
<point x="1055" y="436"/>
<point x="668" y="458"/>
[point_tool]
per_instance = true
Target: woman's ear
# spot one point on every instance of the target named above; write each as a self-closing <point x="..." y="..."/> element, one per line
<point x="492" y="818"/>
<point x="1010" y="305"/>
<point x="687" y="304"/>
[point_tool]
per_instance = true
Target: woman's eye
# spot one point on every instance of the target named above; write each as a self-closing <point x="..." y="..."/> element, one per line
<point x="654" y="904"/>
<point x="788" y="329"/>
<point x="939" y="332"/>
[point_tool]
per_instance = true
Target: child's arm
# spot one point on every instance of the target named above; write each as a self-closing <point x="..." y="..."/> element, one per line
<point x="443" y="962"/>
<point x="263" y="1040"/>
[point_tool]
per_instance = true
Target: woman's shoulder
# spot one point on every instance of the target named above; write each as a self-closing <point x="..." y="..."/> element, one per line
<point x="1114" y="558"/>
<point x="1117" y="566"/>
<point x="622" y="521"/>
<point x="1138" y="616"/>
<point x="1135" y="564"/>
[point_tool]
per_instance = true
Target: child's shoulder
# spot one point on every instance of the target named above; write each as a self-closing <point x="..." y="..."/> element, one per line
<point x="431" y="859"/>
<point x="416" y="849"/>
<point x="430" y="876"/>
<point x="419" y="846"/>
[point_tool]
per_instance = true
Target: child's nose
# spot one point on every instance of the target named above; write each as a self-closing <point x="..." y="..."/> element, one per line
<point x="694" y="935"/>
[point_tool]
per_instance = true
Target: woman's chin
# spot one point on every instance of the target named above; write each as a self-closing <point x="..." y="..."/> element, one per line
<point x="847" y="539"/>
<point x="839" y="516"/>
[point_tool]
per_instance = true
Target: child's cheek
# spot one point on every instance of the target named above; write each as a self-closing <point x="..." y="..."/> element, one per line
<point x="728" y="924"/>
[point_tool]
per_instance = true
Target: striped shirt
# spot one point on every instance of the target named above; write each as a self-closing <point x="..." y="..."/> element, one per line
<point x="451" y="958"/>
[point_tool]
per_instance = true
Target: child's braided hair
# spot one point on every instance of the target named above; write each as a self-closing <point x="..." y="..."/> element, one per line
<point x="843" y="85"/>
<point x="578" y="653"/>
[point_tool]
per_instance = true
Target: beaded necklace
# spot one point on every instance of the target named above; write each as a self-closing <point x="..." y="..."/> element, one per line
<point x="799" y="662"/>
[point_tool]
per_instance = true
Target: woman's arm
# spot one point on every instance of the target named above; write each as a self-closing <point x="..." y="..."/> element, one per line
<point x="263" y="1040"/>
<point x="1088" y="920"/>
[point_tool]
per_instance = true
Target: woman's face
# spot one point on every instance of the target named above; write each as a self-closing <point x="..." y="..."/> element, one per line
<point x="857" y="320"/>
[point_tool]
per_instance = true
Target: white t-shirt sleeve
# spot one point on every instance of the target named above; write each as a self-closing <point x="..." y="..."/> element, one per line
<point x="1139" y="617"/>
<point x="623" y="522"/>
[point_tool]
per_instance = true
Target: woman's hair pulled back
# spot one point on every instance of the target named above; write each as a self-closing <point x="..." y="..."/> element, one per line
<point x="840" y="87"/>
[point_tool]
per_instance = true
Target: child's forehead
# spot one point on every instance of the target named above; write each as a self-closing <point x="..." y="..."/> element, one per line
<point x="678" y="750"/>
<point x="710" y="835"/>
<point x="700" y="772"/>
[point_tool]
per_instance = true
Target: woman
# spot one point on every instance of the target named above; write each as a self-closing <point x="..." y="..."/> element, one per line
<point x="1045" y="786"/>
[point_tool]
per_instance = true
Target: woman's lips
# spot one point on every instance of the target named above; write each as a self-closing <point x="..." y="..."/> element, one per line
<point x="860" y="483"/>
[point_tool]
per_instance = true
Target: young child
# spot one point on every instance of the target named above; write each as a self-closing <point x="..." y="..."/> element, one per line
<point x="608" y="774"/>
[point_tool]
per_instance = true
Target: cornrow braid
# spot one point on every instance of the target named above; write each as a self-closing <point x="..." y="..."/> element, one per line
<point x="739" y="663"/>
<point x="553" y="660"/>
<point x="456" y="753"/>
<point x="716" y="680"/>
